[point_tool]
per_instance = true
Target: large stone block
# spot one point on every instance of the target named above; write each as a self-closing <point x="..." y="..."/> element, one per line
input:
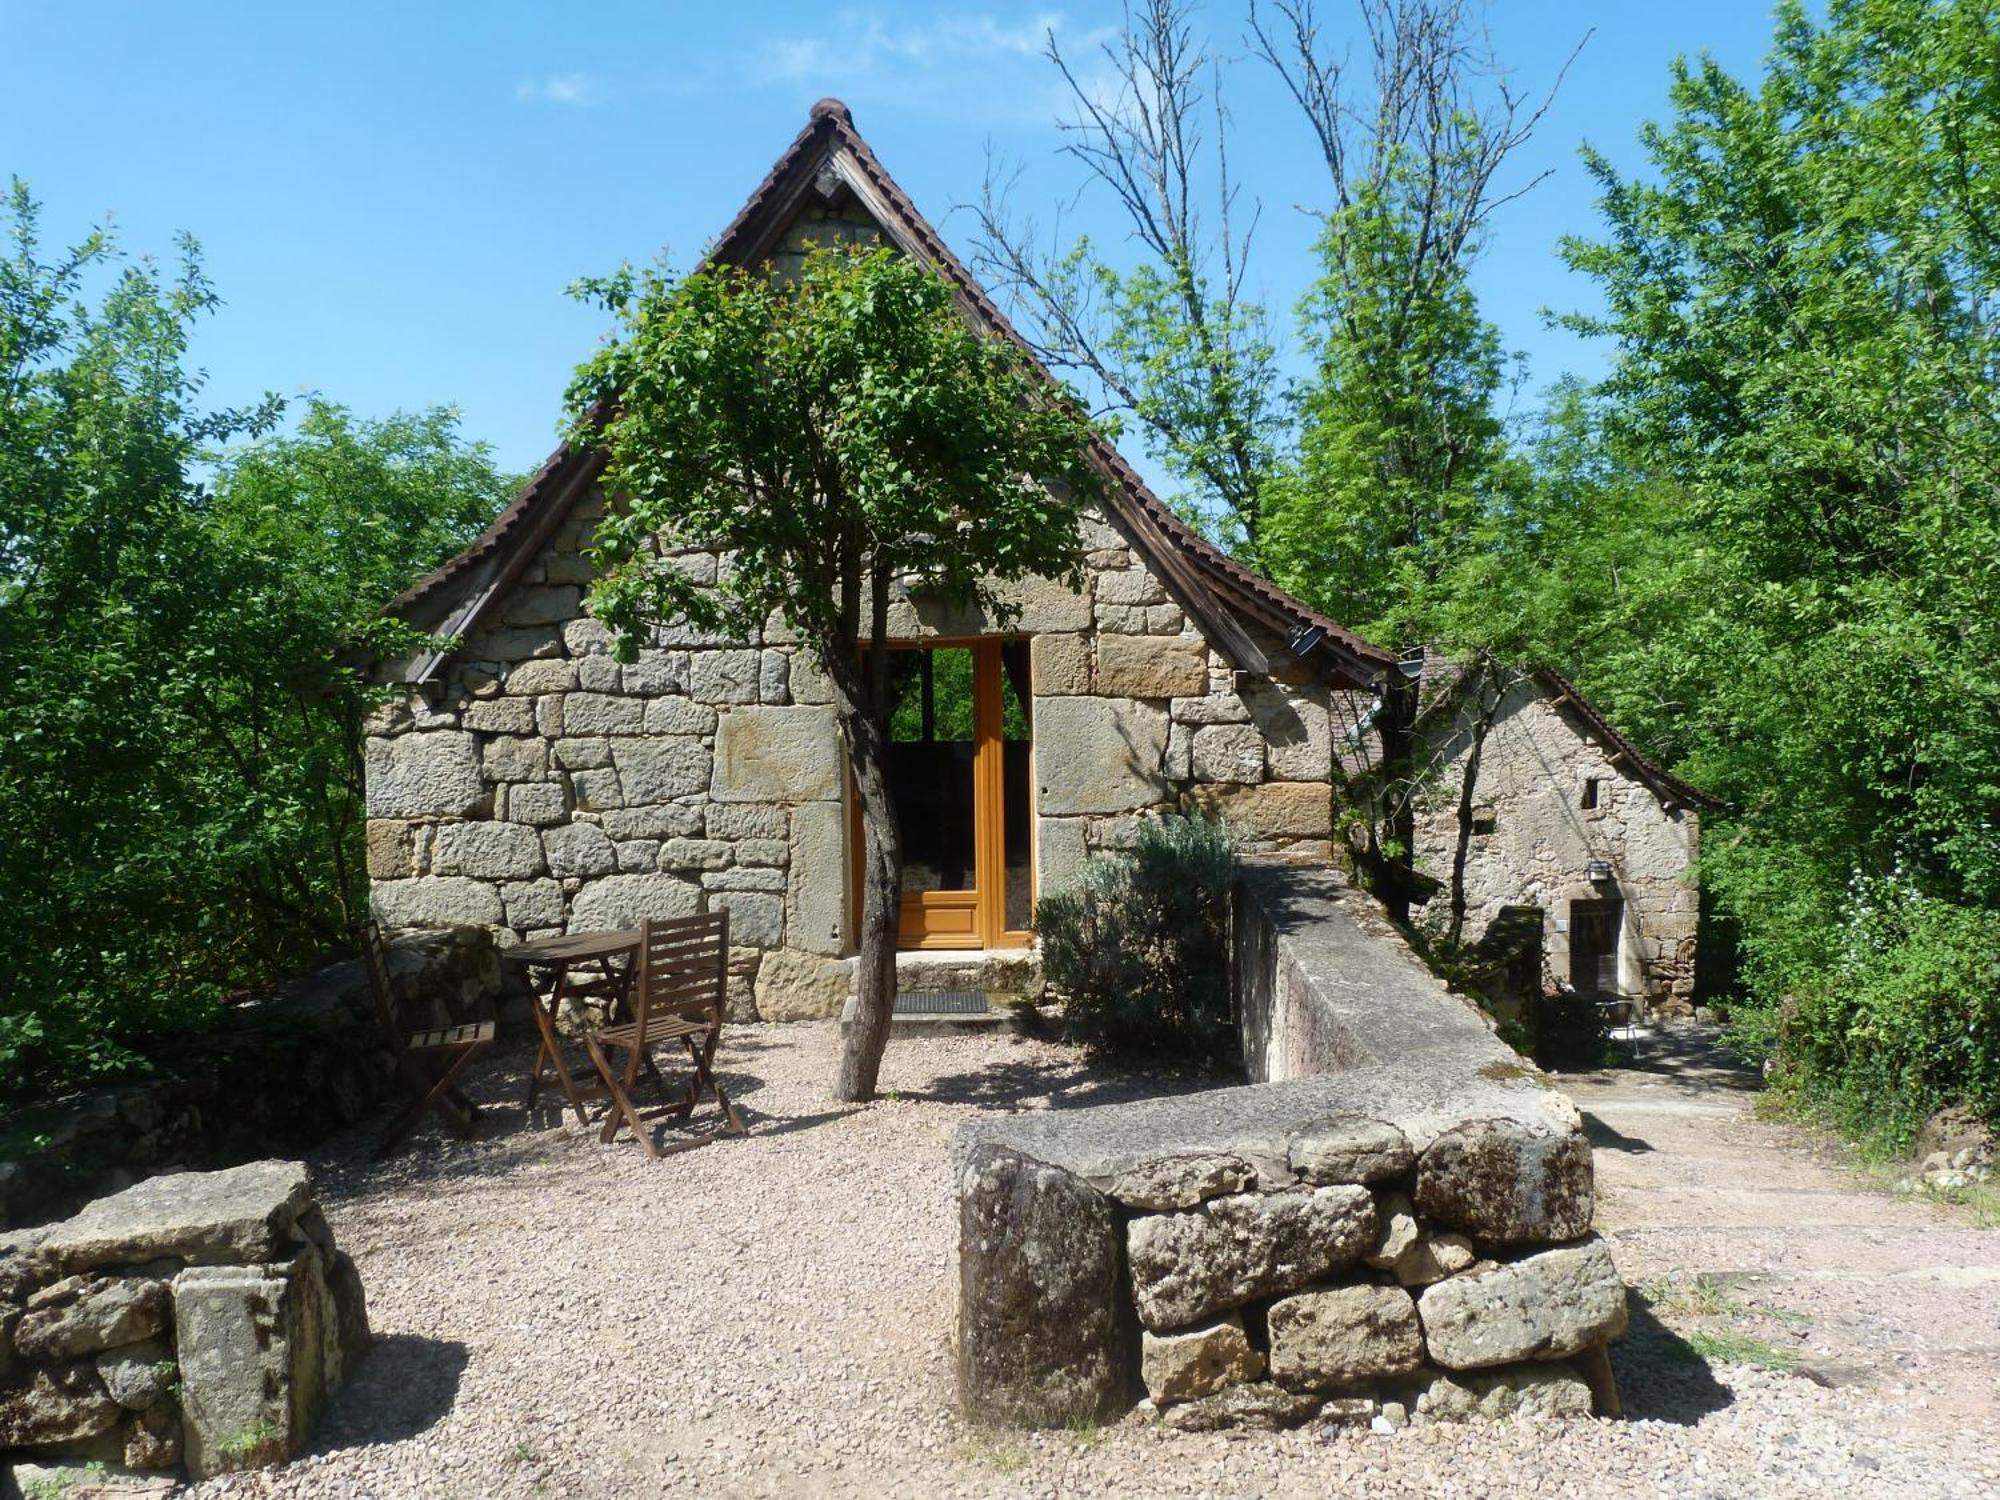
<point x="1040" y="1338"/>
<point x="1130" y="586"/>
<point x="533" y="904"/>
<point x="627" y="900"/>
<point x="1297" y="735"/>
<point x="746" y="820"/>
<point x="1060" y="850"/>
<point x="487" y="850"/>
<point x="668" y="820"/>
<point x="816" y="884"/>
<point x="1541" y="1390"/>
<point x="55" y="1405"/>
<point x="252" y="1343"/>
<point x="1197" y="1361"/>
<point x="795" y="986"/>
<point x="434" y="901"/>
<point x="1543" y="1306"/>
<point x="1353" y="1150"/>
<point x="756" y="918"/>
<point x="1339" y="1336"/>
<point x="392" y="849"/>
<point x="777" y="755"/>
<point x="515" y="758"/>
<point x="659" y="770"/>
<point x="597" y="791"/>
<point x="602" y="713"/>
<point x="539" y="804"/>
<point x="1261" y="1405"/>
<point x="1151" y="666"/>
<point x="100" y="1315"/>
<point x="533" y="678"/>
<point x="1227" y="752"/>
<point x="677" y="715"/>
<point x="1277" y="809"/>
<point x="1098" y="755"/>
<point x="1188" y="1266"/>
<point x="724" y="676"/>
<point x="424" y="775"/>
<point x="578" y="849"/>
<point x="1501" y="1182"/>
<point x="244" y="1213"/>
<point x="1059" y="665"/>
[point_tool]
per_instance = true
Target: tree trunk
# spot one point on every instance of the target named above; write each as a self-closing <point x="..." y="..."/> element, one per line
<point x="862" y="689"/>
<point x="881" y="903"/>
<point x="1398" y="731"/>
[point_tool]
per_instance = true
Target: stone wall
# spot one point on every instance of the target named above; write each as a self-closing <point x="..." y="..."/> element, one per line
<point x="542" y="787"/>
<point x="1392" y="1224"/>
<point x="195" y="1321"/>
<point x="280" y="1072"/>
<point x="1533" y="840"/>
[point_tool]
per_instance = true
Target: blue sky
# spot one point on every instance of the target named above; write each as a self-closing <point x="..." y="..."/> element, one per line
<point x="392" y="197"/>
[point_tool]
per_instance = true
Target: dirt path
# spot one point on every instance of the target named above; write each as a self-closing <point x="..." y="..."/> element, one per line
<point x="773" y="1316"/>
<point x="1749" y="1234"/>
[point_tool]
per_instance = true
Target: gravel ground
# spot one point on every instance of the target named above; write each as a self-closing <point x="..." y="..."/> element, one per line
<point x="772" y="1315"/>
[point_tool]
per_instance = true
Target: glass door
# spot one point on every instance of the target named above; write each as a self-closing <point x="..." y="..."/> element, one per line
<point x="960" y="742"/>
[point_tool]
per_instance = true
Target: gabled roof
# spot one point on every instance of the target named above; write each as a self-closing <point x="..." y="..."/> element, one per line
<point x="1623" y="753"/>
<point x="827" y="157"/>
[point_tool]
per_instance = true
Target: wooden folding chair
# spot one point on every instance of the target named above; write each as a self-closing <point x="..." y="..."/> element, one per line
<point x="683" y="974"/>
<point x="429" y="1061"/>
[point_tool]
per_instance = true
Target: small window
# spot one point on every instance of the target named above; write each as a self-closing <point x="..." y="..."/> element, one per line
<point x="1483" y="819"/>
<point x="1589" y="792"/>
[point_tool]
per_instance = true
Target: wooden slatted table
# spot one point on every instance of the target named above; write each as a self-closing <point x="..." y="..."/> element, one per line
<point x="599" y="967"/>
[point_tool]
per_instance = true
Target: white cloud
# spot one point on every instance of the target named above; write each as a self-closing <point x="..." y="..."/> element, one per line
<point x="579" y="90"/>
<point x="956" y="62"/>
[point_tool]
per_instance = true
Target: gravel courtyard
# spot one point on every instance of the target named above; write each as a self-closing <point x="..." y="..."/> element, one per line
<point x="772" y="1315"/>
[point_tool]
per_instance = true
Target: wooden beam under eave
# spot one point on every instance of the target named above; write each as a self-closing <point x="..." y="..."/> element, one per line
<point x="1217" y="623"/>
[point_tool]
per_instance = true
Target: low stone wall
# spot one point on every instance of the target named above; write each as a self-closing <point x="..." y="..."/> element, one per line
<point x="196" y="1321"/>
<point x="1393" y="1222"/>
<point x="281" y="1072"/>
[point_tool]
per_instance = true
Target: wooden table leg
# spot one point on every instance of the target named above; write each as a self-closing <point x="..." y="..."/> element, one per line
<point x="550" y="1049"/>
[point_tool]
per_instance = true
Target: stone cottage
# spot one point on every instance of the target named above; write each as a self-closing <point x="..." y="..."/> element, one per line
<point x="1567" y="827"/>
<point x="526" y="782"/>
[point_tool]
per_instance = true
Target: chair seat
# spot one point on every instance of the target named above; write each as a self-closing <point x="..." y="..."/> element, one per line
<point x="451" y="1038"/>
<point x="658" y="1029"/>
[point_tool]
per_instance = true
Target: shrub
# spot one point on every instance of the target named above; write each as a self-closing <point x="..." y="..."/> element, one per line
<point x="1905" y="1021"/>
<point x="1139" y="950"/>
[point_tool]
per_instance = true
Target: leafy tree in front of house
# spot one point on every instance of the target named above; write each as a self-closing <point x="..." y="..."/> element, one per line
<point x="178" y="734"/>
<point x="846" y="435"/>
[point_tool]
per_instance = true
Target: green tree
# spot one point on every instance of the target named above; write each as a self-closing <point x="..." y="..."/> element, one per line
<point x="845" y="434"/>
<point x="1172" y="340"/>
<point x="1801" y="294"/>
<point x="177" y="739"/>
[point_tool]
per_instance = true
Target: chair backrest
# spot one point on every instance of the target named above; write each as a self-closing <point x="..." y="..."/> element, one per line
<point x="375" y="958"/>
<point x="683" y="968"/>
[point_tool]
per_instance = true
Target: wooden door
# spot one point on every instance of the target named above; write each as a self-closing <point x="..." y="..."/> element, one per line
<point x="959" y="752"/>
<point x="1593" y="945"/>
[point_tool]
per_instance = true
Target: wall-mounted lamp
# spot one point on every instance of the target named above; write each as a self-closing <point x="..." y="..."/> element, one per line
<point x="1411" y="663"/>
<point x="1598" y="871"/>
<point x="1303" y="638"/>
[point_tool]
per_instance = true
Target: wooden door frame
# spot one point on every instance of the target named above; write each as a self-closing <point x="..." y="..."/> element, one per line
<point x="987" y="901"/>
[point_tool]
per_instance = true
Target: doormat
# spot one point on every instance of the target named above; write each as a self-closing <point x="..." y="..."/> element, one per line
<point x="941" y="1003"/>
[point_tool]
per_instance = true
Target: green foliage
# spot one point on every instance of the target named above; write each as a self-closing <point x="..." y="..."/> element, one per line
<point x="1400" y="447"/>
<point x="835" y="426"/>
<point x="1139" y="950"/>
<point x="1804" y="541"/>
<point x="1905" y="1019"/>
<point x="178" y="745"/>
<point x="1195" y="366"/>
